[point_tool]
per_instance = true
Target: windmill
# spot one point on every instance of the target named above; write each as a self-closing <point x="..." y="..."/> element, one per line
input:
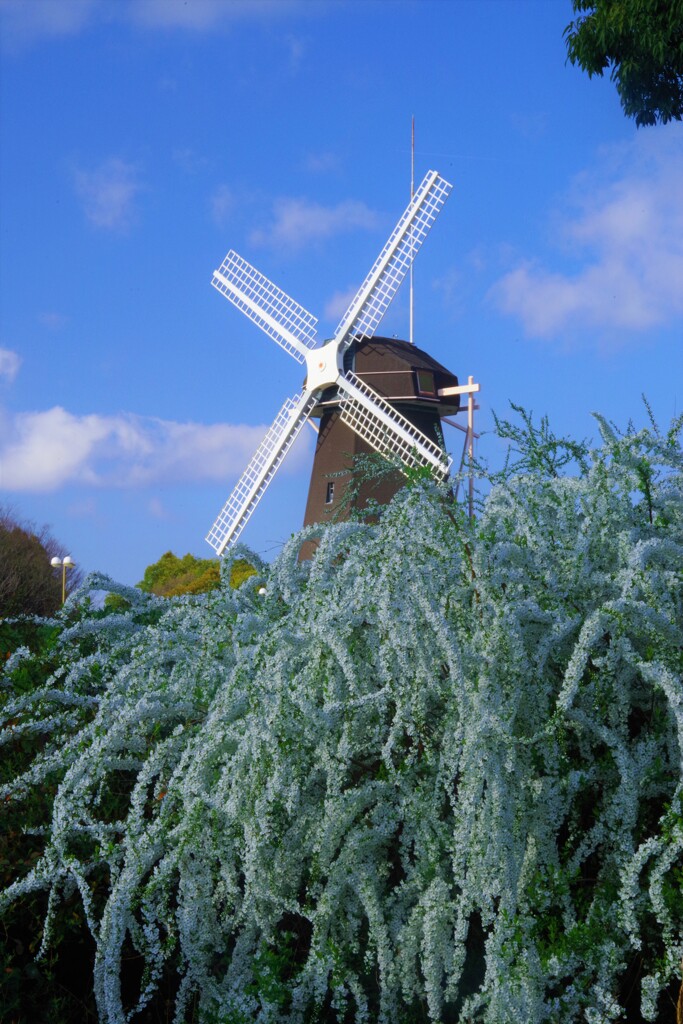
<point x="331" y="379"/>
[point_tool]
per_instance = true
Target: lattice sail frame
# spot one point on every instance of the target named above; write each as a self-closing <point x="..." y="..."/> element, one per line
<point x="251" y="486"/>
<point x="293" y="328"/>
<point x="385" y="429"/>
<point x="283" y="319"/>
<point x="393" y="263"/>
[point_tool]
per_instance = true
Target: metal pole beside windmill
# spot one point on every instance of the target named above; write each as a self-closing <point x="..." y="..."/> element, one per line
<point x="469" y="389"/>
<point x="470" y="446"/>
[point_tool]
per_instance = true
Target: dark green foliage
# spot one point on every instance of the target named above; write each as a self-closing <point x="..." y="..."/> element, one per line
<point x="116" y="603"/>
<point x="56" y="987"/>
<point x="641" y="42"/>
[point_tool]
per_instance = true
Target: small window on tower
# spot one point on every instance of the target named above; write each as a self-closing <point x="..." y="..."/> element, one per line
<point x="329" y="494"/>
<point x="426" y="387"/>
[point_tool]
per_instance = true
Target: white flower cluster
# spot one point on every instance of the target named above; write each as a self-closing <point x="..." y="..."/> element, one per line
<point x="433" y="773"/>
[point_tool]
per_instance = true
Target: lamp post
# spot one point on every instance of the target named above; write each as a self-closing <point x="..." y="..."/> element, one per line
<point x="66" y="563"/>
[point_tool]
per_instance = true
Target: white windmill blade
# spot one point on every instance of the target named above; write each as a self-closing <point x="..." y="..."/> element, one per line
<point x="385" y="429"/>
<point x="379" y="287"/>
<point x="283" y="319"/>
<point x="260" y="471"/>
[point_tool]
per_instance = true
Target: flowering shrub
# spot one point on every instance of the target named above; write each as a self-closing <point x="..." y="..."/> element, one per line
<point x="432" y="774"/>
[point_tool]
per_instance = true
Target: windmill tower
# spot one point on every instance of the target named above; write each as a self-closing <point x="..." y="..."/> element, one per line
<point x="401" y="374"/>
<point x="381" y="394"/>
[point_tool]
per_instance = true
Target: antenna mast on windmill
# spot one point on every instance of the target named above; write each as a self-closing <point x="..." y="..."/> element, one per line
<point x="412" y="196"/>
<point x="383" y="392"/>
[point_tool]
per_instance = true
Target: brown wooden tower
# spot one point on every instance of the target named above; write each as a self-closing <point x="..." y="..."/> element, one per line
<point x="410" y="380"/>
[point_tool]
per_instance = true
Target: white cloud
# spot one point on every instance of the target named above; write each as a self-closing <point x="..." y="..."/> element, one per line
<point x="198" y="15"/>
<point x="24" y="21"/>
<point x="27" y="21"/>
<point x="157" y="509"/>
<point x="187" y="159"/>
<point x="321" y="163"/>
<point x="222" y="204"/>
<point x="339" y="303"/>
<point x="298" y="222"/>
<point x="624" y="222"/>
<point x="531" y="126"/>
<point x="296" y="49"/>
<point x="84" y="508"/>
<point x="450" y="287"/>
<point x="52" y="320"/>
<point x="43" y="451"/>
<point x="201" y="15"/>
<point x="9" y="364"/>
<point x="108" y="193"/>
<point x="50" y="448"/>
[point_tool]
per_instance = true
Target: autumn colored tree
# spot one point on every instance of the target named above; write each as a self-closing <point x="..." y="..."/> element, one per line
<point x="28" y="583"/>
<point x="171" y="576"/>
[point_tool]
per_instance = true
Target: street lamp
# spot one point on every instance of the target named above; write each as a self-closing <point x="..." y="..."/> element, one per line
<point x="66" y="563"/>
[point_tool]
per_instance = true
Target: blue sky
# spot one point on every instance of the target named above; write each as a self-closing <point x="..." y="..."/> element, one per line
<point x="142" y="139"/>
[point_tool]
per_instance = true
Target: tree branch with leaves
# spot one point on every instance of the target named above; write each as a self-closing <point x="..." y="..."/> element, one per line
<point x="641" y="43"/>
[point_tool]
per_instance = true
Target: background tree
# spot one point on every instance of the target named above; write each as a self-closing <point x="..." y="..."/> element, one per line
<point x="28" y="583"/>
<point x="641" y="41"/>
<point x="172" y="576"/>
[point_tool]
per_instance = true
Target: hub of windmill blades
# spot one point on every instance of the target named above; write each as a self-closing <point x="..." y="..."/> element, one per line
<point x="324" y="366"/>
<point x="380" y="425"/>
